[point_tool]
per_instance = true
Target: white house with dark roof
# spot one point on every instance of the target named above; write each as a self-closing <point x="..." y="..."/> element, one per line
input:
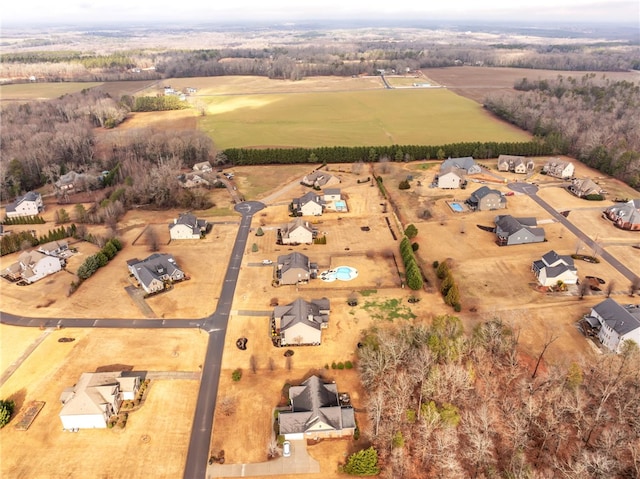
<point x="294" y="268"/>
<point x="95" y="398"/>
<point x="512" y="231"/>
<point x="301" y="322"/>
<point x="617" y="323"/>
<point x="486" y="199"/>
<point x="54" y="248"/>
<point x="155" y="273"/>
<point x="309" y="204"/>
<point x="558" y="168"/>
<point x="32" y="266"/>
<point x="316" y="412"/>
<point x="450" y="178"/>
<point x="187" y="226"/>
<point x="332" y="194"/>
<point x="465" y="163"/>
<point x="296" y="232"/>
<point x="625" y="216"/>
<point x="553" y="267"/>
<point x="28" y="205"/>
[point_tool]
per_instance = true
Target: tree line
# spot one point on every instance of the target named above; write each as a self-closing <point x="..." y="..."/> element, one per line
<point x="593" y="118"/>
<point x="445" y="403"/>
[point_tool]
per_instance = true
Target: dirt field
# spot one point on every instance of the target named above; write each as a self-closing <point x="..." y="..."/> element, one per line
<point x="477" y="82"/>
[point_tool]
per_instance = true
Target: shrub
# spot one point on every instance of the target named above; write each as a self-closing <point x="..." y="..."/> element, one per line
<point x="348" y="365"/>
<point x="411" y="231"/>
<point x="6" y="410"/>
<point x="340" y="365"/>
<point x="363" y="463"/>
<point x="236" y="375"/>
<point x="333" y="365"/>
<point x="254" y="248"/>
<point x="404" y="185"/>
<point x="259" y="232"/>
<point x="594" y="197"/>
<point x="415" y="246"/>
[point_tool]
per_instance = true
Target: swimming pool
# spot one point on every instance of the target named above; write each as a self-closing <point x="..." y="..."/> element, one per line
<point x="343" y="273"/>
<point x="457" y="207"/>
<point x="340" y="205"/>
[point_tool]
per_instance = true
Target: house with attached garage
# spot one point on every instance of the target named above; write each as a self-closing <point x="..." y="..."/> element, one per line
<point x="552" y="268"/>
<point x="296" y="232"/>
<point x="450" y="178"/>
<point x="32" y="266"/>
<point x="156" y="273"/>
<point x="317" y="411"/>
<point x="310" y="204"/>
<point x="187" y="226"/>
<point x="584" y="187"/>
<point x="28" y="205"/>
<point x="558" y="168"/>
<point x="625" y="216"/>
<point x="202" y="167"/>
<point x="512" y="231"/>
<point x="58" y="248"/>
<point x="515" y="164"/>
<point x="616" y="323"/>
<point x="294" y="268"/>
<point x="301" y="322"/>
<point x="486" y="199"/>
<point x="95" y="398"/>
<point x="319" y="179"/>
<point x="465" y="163"/>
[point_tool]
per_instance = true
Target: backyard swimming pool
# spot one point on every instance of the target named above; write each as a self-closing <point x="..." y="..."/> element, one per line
<point x="341" y="205"/>
<point x="343" y="273"/>
<point x="457" y="207"/>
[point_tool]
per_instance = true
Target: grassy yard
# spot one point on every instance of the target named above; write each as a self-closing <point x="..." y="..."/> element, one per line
<point x="351" y="118"/>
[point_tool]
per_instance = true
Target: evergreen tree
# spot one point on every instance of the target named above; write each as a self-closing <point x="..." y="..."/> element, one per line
<point x="363" y="463"/>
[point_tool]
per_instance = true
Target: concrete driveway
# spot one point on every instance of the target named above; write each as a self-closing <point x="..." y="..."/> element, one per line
<point x="298" y="463"/>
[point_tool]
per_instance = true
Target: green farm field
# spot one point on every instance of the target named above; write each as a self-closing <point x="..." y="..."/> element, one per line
<point x="350" y="118"/>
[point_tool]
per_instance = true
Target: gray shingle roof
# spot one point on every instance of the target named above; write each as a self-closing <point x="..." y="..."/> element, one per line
<point x="293" y="260"/>
<point x="617" y="317"/>
<point x="300" y="311"/>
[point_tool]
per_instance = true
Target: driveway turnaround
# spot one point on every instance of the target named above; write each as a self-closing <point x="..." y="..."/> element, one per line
<point x="300" y="462"/>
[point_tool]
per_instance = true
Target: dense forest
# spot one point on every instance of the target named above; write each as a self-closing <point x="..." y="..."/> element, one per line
<point x="442" y="403"/>
<point x="597" y="119"/>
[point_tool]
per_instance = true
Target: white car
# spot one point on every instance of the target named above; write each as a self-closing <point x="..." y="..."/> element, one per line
<point x="267" y="261"/>
<point x="286" y="449"/>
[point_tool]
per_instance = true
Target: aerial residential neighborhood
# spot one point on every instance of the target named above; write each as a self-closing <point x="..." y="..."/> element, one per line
<point x="302" y="248"/>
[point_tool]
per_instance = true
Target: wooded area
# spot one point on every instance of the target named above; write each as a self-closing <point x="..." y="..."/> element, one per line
<point x="442" y="403"/>
<point x="593" y="118"/>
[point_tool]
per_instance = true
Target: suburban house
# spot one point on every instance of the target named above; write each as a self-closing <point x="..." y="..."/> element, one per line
<point x="187" y="226"/>
<point x="317" y="411"/>
<point x="465" y="163"/>
<point x="584" y="187"/>
<point x="332" y="194"/>
<point x="95" y="398"/>
<point x="156" y="273"/>
<point x="319" y="179"/>
<point x="203" y="167"/>
<point x="296" y="232"/>
<point x="558" y="168"/>
<point x="486" y="199"/>
<point x="625" y="216"/>
<point x="32" y="266"/>
<point x="511" y="231"/>
<point x="295" y="268"/>
<point x="55" y="248"/>
<point x="73" y="181"/>
<point x="450" y="177"/>
<point x="310" y="204"/>
<point x="301" y="322"/>
<point x="552" y="268"/>
<point x="515" y="164"/>
<point x="28" y="205"/>
<point x="616" y="323"/>
<point x="192" y="180"/>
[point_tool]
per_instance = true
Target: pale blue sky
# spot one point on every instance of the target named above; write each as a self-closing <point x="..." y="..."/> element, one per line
<point x="211" y="11"/>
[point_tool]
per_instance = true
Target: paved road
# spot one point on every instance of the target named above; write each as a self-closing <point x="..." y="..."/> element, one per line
<point x="216" y="325"/>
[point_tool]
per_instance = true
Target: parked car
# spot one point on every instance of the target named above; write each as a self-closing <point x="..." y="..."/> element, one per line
<point x="267" y="261"/>
<point x="286" y="449"/>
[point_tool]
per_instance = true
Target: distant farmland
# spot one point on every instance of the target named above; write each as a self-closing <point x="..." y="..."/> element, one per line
<point x="351" y="118"/>
<point x="42" y="91"/>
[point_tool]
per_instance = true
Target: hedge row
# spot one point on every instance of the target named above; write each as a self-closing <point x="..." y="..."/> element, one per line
<point x="96" y="261"/>
<point x="24" y="220"/>
<point x="412" y="270"/>
<point x="448" y="286"/>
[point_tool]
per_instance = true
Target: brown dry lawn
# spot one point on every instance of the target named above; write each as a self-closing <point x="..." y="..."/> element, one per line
<point x="494" y="282"/>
